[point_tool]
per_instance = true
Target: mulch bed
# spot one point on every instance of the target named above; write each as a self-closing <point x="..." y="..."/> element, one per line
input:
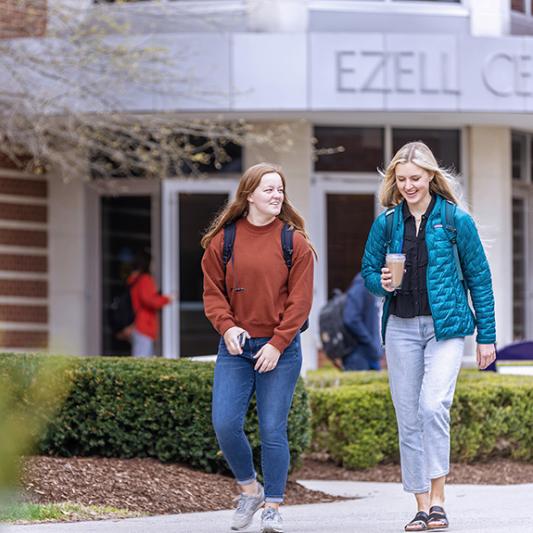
<point x="148" y="486"/>
<point x="143" y="485"/>
<point x="496" y="472"/>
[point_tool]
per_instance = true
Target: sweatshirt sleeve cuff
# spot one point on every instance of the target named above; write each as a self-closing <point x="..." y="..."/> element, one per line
<point x="278" y="343"/>
<point x="225" y="325"/>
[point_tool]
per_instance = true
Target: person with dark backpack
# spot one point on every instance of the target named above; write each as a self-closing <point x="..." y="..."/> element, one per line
<point x="122" y="314"/>
<point x="349" y="328"/>
<point x="258" y="288"/>
<point x="361" y="319"/>
<point x="337" y="340"/>
<point x="427" y="314"/>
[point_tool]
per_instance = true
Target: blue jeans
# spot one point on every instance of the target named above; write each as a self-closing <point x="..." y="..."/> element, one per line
<point x="234" y="384"/>
<point x="422" y="377"/>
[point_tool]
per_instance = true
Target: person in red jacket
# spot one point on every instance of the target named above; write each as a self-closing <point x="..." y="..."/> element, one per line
<point x="146" y="302"/>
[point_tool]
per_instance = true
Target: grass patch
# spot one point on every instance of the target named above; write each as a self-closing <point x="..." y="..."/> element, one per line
<point x="59" y="512"/>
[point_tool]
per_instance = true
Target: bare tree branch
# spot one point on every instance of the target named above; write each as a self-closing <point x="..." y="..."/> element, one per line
<point x="62" y="94"/>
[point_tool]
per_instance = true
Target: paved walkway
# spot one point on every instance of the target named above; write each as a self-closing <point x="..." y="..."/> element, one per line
<point x="383" y="508"/>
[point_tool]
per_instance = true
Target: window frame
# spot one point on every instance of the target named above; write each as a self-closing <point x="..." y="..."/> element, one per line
<point x="95" y="190"/>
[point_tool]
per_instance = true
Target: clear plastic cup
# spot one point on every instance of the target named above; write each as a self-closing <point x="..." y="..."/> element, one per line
<point x="396" y="264"/>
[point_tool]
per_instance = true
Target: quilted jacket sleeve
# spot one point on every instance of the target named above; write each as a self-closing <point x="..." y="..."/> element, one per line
<point x="374" y="257"/>
<point x="476" y="271"/>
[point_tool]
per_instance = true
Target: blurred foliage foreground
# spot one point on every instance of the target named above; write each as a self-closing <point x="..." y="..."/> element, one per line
<point x="31" y="392"/>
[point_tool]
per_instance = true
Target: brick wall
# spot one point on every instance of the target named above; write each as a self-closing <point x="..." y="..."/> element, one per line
<point x="22" y="18"/>
<point x="23" y="261"/>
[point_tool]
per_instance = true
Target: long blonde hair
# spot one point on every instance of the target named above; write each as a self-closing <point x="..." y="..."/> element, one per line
<point x="443" y="182"/>
<point x="238" y="208"/>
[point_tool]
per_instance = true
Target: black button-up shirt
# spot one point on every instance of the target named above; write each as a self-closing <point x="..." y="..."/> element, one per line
<point x="412" y="298"/>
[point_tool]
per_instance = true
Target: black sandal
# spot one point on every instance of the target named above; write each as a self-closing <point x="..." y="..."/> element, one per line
<point x="437" y="519"/>
<point x="418" y="523"/>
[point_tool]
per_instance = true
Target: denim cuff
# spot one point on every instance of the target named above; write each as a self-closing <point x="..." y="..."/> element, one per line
<point x="416" y="491"/>
<point x="274" y="499"/>
<point x="439" y="474"/>
<point x="247" y="481"/>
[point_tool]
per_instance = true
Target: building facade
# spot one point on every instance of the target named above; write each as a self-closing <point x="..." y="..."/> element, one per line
<point x="366" y="76"/>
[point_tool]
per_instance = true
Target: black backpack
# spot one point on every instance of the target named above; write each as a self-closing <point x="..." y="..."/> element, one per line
<point x="287" y="235"/>
<point x="122" y="313"/>
<point x="337" y="341"/>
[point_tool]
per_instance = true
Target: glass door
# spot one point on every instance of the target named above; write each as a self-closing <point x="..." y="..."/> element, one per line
<point x="188" y="208"/>
<point x="126" y="228"/>
<point x="349" y="218"/>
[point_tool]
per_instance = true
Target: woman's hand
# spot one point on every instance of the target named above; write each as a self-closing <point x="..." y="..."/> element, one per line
<point x="485" y="355"/>
<point x="231" y="339"/>
<point x="267" y="358"/>
<point x="386" y="279"/>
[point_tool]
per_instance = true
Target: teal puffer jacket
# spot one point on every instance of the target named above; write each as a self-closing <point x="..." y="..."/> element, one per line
<point x="448" y="300"/>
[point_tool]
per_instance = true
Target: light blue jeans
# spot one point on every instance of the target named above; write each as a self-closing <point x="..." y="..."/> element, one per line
<point x="422" y="377"/>
<point x="141" y="345"/>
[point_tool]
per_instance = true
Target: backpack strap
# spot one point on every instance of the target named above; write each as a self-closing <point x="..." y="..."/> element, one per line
<point x="448" y="223"/>
<point x="287" y="237"/>
<point x="389" y="219"/>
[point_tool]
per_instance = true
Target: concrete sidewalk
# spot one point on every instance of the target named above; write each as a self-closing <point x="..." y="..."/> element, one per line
<point x="383" y="508"/>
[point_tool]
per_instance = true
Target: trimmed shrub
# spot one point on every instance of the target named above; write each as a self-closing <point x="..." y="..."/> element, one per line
<point x="158" y="408"/>
<point x="354" y="421"/>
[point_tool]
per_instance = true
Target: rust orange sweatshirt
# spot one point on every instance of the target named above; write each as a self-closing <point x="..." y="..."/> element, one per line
<point x="271" y="301"/>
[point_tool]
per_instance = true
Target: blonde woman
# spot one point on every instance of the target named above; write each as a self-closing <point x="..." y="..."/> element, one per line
<point x="425" y="321"/>
<point x="258" y="302"/>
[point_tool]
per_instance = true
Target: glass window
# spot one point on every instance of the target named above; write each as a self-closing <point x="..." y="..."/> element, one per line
<point x="209" y="156"/>
<point x="445" y="144"/>
<point x="139" y="157"/>
<point x="519" y="269"/>
<point x="530" y="142"/>
<point x="518" y="5"/>
<point x="518" y="155"/>
<point x="359" y="149"/>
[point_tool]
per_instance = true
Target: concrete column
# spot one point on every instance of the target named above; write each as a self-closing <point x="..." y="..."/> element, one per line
<point x="297" y="164"/>
<point x="490" y="17"/>
<point x="490" y="198"/>
<point x="67" y="265"/>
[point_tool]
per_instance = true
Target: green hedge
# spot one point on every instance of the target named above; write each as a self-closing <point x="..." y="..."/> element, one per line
<point x="119" y="407"/>
<point x="354" y="422"/>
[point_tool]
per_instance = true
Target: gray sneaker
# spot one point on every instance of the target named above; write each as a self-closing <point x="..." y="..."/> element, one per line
<point x="271" y="521"/>
<point x="247" y="506"/>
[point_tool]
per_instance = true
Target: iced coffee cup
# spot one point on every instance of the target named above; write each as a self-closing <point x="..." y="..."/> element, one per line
<point x="396" y="264"/>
